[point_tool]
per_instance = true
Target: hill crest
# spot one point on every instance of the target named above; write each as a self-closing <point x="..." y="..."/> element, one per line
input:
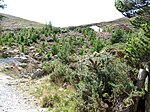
<point x="10" y="22"/>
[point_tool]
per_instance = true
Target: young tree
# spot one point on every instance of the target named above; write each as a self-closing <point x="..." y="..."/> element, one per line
<point x="130" y="8"/>
<point x="2" y="5"/>
<point x="140" y="9"/>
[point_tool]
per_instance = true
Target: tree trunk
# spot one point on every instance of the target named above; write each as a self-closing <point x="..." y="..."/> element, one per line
<point x="140" y="83"/>
<point x="141" y="78"/>
<point x="147" y="102"/>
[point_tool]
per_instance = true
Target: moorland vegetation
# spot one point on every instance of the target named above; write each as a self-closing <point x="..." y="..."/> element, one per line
<point x="85" y="71"/>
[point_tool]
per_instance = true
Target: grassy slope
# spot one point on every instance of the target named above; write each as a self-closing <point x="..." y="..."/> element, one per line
<point x="12" y="22"/>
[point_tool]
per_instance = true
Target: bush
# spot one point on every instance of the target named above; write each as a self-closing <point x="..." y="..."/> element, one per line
<point x="22" y="49"/>
<point x="59" y="72"/>
<point x="138" y="49"/>
<point x="54" y="49"/>
<point x="65" y="51"/>
<point x="54" y="38"/>
<point x="104" y="81"/>
<point x="118" y="35"/>
<point x="97" y="45"/>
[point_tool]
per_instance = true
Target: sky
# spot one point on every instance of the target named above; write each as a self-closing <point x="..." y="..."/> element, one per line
<point x="62" y="13"/>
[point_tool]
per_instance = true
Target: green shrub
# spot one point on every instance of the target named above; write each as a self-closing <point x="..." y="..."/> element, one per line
<point x="118" y="35"/>
<point x="103" y="77"/>
<point x="34" y="37"/>
<point x="56" y="30"/>
<point x="97" y="45"/>
<point x="49" y="56"/>
<point x="10" y="42"/>
<point x="59" y="72"/>
<point x="54" y="49"/>
<point x="26" y="42"/>
<point x="138" y="49"/>
<point x="54" y="38"/>
<point x="49" y="67"/>
<point x="44" y="46"/>
<point x="22" y="49"/>
<point x="65" y="51"/>
<point x="81" y="51"/>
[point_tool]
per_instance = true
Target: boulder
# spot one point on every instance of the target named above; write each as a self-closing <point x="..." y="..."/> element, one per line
<point x="21" y="58"/>
<point x="37" y="73"/>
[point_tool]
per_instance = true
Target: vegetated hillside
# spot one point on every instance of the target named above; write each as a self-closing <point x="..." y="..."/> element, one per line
<point x="10" y="22"/>
<point x="123" y="23"/>
<point x="75" y="69"/>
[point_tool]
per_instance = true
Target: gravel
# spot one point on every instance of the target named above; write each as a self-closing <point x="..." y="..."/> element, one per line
<point x="11" y="99"/>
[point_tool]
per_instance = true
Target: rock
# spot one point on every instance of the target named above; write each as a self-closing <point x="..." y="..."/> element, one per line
<point x="72" y="66"/>
<point x="50" y="40"/>
<point x="19" y="68"/>
<point x="40" y="65"/>
<point x="31" y="48"/>
<point x="37" y="73"/>
<point x="37" y="56"/>
<point x="26" y="76"/>
<point x="9" y="67"/>
<point x="54" y="57"/>
<point x="21" y="58"/>
<point x="4" y="48"/>
<point x="23" y="65"/>
<point x="95" y="54"/>
<point x="5" y="54"/>
<point x="14" y="52"/>
<point x="96" y="28"/>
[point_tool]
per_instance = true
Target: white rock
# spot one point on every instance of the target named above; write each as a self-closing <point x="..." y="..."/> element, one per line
<point x="96" y="28"/>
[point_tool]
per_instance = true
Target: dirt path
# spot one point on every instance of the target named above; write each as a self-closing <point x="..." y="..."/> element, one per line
<point x="11" y="99"/>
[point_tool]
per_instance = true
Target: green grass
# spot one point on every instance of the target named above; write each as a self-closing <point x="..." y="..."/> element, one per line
<point x="55" y="97"/>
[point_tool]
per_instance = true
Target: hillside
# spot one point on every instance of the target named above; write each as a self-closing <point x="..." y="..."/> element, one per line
<point x="75" y="69"/>
<point x="123" y="23"/>
<point x="11" y="22"/>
